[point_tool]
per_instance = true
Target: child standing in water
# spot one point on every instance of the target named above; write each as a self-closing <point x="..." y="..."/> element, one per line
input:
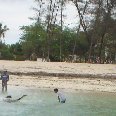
<point x="5" y="78"/>
<point x="61" y="97"/>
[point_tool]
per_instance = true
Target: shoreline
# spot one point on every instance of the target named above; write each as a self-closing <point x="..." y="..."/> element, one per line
<point x="65" y="75"/>
<point x="69" y="76"/>
<point x="68" y="84"/>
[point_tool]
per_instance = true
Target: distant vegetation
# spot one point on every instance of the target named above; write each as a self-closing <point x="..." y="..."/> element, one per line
<point x="92" y="40"/>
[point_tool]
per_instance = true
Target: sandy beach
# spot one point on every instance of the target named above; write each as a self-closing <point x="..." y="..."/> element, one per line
<point x="69" y="76"/>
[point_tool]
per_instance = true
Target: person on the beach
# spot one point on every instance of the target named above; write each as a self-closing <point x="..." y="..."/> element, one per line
<point x="9" y="99"/>
<point x="4" y="78"/>
<point x="61" y="97"/>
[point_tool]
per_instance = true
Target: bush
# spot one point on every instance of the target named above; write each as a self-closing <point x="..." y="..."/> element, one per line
<point x="6" y="55"/>
<point x="19" y="58"/>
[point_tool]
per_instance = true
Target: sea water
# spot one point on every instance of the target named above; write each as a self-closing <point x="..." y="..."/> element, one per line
<point x="41" y="102"/>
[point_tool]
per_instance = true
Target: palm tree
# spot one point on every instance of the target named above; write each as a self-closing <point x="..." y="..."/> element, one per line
<point x="2" y="31"/>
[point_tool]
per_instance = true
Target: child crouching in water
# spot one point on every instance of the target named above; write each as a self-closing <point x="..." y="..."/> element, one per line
<point x="61" y="97"/>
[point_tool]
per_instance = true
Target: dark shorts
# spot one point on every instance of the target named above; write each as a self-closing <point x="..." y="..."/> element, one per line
<point x="63" y="101"/>
<point x="4" y="83"/>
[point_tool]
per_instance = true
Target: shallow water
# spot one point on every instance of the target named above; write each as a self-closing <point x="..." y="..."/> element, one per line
<point x="44" y="103"/>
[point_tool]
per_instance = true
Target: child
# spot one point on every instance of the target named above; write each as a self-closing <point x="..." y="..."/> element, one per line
<point x="61" y="97"/>
<point x="9" y="99"/>
<point x="5" y="78"/>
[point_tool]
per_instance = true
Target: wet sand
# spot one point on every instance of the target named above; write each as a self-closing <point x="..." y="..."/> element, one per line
<point x="69" y="76"/>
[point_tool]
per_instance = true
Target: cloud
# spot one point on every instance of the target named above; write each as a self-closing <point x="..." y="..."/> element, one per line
<point x="1" y="1"/>
<point x="15" y="13"/>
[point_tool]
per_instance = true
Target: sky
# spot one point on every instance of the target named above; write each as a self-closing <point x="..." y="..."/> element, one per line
<point x="16" y="13"/>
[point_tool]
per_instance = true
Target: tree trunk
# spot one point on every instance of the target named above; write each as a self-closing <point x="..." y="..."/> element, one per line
<point x="100" y="48"/>
<point x="61" y="30"/>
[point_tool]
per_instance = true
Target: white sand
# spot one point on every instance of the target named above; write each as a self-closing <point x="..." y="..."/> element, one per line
<point x="58" y="67"/>
<point x="80" y="83"/>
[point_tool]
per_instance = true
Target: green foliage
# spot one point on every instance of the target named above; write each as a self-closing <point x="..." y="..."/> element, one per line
<point x="33" y="40"/>
<point x="16" y="50"/>
<point x="46" y="38"/>
<point x="5" y="53"/>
